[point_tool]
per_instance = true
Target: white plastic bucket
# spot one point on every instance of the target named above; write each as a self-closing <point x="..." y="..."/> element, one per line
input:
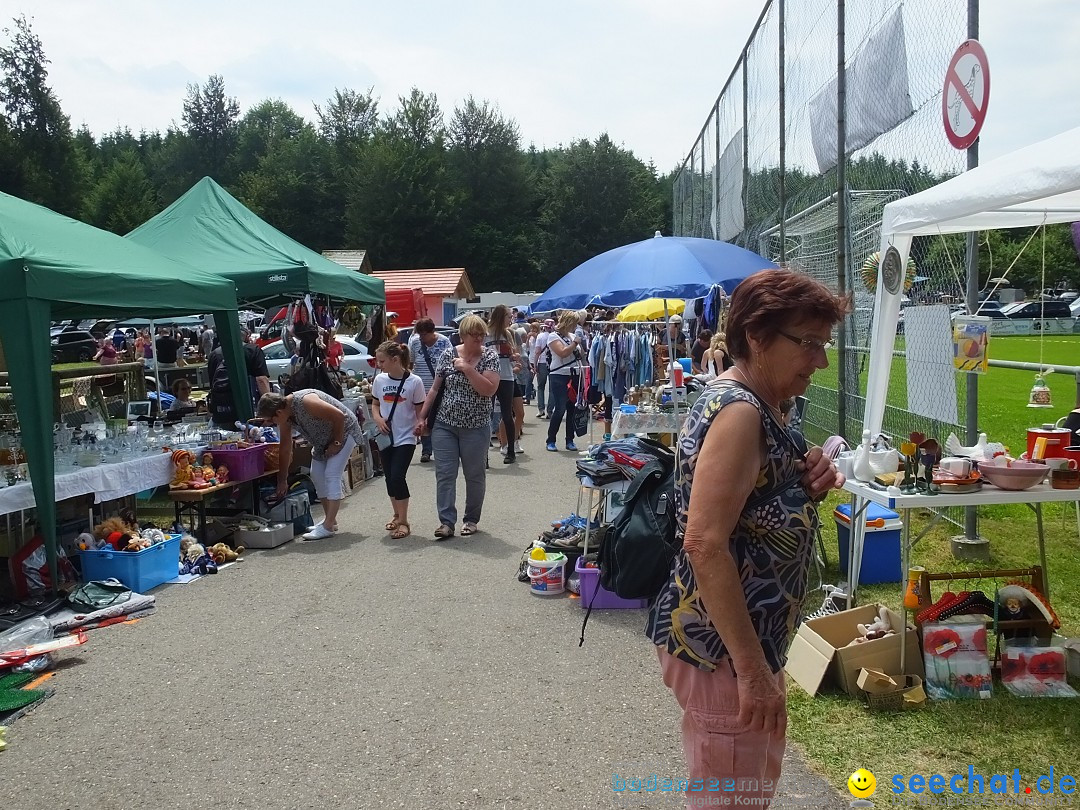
<point x="548" y="576"/>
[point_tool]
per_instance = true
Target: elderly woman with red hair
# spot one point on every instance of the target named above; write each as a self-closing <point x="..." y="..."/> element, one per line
<point x="746" y="498"/>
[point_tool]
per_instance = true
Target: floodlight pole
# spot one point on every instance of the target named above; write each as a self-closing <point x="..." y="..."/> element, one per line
<point x="841" y="217"/>
<point x="971" y="513"/>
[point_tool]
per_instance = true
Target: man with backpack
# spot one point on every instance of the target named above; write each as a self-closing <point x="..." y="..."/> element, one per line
<point x="223" y="400"/>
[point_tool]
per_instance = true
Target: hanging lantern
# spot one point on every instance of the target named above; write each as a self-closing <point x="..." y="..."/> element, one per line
<point x="869" y="272"/>
<point x="1040" y="394"/>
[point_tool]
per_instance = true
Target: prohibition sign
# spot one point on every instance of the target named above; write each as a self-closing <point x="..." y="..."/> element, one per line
<point x="966" y="94"/>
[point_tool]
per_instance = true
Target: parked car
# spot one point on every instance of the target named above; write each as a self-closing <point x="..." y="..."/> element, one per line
<point x="356" y="359"/>
<point x="73" y="347"/>
<point x="1038" y="309"/>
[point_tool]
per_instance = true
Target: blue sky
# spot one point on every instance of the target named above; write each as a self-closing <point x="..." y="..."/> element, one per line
<point x="646" y="72"/>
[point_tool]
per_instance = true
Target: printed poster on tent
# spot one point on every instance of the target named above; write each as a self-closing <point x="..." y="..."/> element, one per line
<point x="971" y="338"/>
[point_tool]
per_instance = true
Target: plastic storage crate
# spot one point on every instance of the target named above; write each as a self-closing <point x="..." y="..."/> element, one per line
<point x="589" y="579"/>
<point x="243" y="464"/>
<point x="881" y="549"/>
<point x="138" y="570"/>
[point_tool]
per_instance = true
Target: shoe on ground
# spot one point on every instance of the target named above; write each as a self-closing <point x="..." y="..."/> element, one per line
<point x="508" y="459"/>
<point x="425" y="458"/>
<point x="552" y="447"/>
<point x="502" y="449"/>
<point x="541" y="415"/>
<point x="318" y="532"/>
<point x="571" y="447"/>
<point x="517" y="447"/>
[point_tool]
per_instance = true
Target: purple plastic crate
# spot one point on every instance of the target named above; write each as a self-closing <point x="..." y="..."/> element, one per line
<point x="243" y="464"/>
<point x="589" y="579"/>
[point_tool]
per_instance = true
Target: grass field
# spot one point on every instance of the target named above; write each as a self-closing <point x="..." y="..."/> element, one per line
<point x="1003" y="733"/>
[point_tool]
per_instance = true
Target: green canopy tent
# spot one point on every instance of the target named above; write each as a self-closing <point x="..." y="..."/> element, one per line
<point x="210" y="229"/>
<point x="52" y="268"/>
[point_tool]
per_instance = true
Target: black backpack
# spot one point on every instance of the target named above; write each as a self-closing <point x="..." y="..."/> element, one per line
<point x="635" y="557"/>
<point x="636" y="553"/>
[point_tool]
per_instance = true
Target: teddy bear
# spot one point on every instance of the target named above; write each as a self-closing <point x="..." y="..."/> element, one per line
<point x="115" y="532"/>
<point x="223" y="554"/>
<point x="879" y="628"/>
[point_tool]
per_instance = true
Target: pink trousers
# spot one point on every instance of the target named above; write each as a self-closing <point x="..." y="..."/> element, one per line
<point x="724" y="763"/>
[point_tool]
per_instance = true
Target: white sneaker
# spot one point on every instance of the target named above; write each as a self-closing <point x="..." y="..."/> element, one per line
<point x="517" y="447"/>
<point x="502" y="449"/>
<point x="318" y="532"/>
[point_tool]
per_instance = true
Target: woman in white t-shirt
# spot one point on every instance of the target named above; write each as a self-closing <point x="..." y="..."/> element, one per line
<point x="400" y="395"/>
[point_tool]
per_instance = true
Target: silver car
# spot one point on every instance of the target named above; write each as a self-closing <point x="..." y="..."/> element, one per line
<point x="356" y="359"/>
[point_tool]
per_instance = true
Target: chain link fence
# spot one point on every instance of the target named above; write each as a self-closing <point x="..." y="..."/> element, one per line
<point x="763" y="173"/>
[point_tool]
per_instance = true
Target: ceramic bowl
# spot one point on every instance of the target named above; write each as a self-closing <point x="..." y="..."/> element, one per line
<point x="1015" y="477"/>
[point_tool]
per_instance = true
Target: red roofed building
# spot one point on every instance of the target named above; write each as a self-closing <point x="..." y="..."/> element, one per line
<point x="442" y="288"/>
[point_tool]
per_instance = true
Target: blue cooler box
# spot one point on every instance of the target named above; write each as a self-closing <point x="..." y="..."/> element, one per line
<point x="881" y="550"/>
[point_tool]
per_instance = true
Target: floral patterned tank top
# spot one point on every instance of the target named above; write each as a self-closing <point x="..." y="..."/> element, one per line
<point x="772" y="544"/>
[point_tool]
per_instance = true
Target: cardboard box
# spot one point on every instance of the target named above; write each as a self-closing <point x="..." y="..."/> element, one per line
<point x="819" y="655"/>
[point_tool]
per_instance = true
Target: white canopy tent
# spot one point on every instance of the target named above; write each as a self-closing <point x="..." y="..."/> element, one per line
<point x="1026" y="188"/>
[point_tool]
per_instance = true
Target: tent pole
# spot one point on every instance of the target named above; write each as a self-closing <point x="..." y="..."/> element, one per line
<point x="153" y="354"/>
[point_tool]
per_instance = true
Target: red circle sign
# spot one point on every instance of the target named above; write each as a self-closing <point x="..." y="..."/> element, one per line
<point x="966" y="94"/>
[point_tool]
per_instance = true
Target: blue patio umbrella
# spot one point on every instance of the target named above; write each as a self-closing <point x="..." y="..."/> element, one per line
<point x="661" y="267"/>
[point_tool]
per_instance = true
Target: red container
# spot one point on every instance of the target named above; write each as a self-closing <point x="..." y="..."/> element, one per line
<point x="1057" y="439"/>
<point x="244" y="464"/>
<point x="589" y="585"/>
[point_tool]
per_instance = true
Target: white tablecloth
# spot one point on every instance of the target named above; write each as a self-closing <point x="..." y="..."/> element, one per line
<point x="106" y="481"/>
<point x="655" y="422"/>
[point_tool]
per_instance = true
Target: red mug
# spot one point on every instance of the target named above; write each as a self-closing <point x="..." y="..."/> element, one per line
<point x="1072" y="452"/>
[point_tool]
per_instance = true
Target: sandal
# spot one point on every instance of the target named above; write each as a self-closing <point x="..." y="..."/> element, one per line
<point x="392" y="524"/>
<point x="401" y="531"/>
<point x="468" y="528"/>
<point x="444" y="532"/>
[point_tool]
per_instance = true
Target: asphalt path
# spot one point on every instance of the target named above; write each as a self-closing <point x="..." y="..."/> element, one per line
<point x="366" y="672"/>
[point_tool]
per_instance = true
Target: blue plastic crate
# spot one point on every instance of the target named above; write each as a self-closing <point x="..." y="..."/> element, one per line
<point x="138" y="570"/>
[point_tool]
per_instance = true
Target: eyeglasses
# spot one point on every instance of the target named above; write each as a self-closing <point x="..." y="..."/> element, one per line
<point x="808" y="344"/>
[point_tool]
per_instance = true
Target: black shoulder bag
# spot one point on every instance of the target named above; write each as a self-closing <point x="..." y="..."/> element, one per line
<point x="385" y="441"/>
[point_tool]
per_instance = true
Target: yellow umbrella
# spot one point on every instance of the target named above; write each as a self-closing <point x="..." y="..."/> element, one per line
<point x="651" y="309"/>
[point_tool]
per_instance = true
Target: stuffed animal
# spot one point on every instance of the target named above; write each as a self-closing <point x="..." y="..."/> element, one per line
<point x="223" y="554"/>
<point x="137" y="544"/>
<point x="87" y="542"/>
<point x="115" y="532"/>
<point x="152" y="535"/>
<point x="879" y="628"/>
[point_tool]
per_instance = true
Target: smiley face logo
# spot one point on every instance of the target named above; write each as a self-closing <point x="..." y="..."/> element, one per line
<point x="862" y="784"/>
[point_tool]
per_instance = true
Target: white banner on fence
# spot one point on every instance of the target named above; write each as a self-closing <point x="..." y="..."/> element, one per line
<point x="727" y="213"/>
<point x="931" y="377"/>
<point x="1032" y="326"/>
<point x="877" y="94"/>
